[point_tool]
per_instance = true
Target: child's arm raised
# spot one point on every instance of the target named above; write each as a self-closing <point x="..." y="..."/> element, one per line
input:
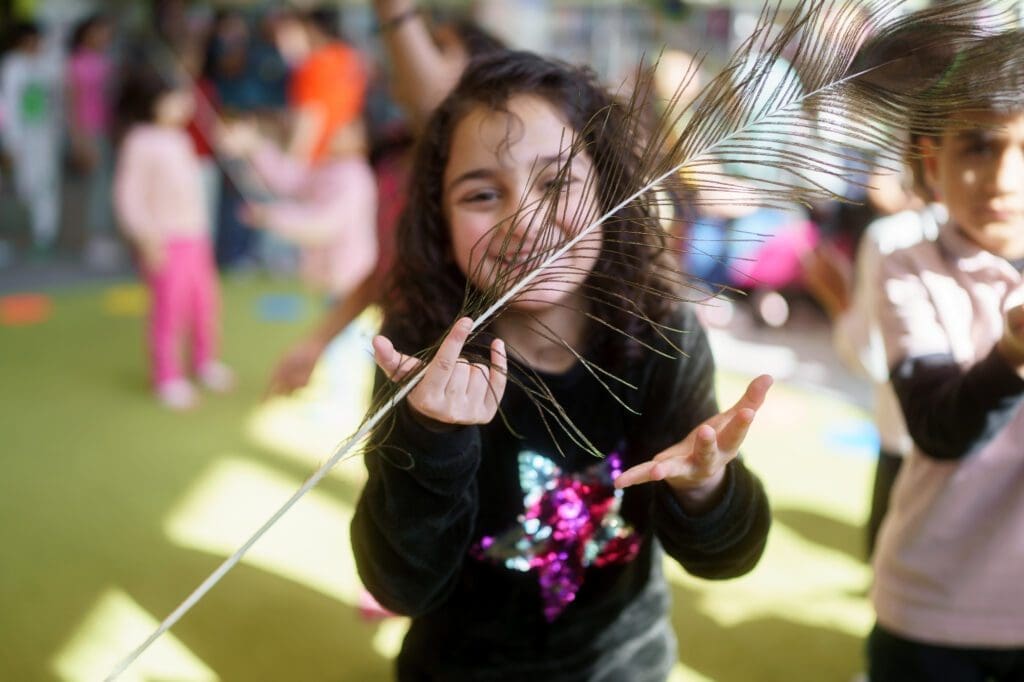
<point x="414" y="521"/>
<point x="951" y="409"/>
<point x="709" y="512"/>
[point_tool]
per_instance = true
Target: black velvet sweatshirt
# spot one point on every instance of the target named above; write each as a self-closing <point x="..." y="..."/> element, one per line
<point x="513" y="558"/>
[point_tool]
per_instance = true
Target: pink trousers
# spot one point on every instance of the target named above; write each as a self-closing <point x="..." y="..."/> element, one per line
<point x="184" y="301"/>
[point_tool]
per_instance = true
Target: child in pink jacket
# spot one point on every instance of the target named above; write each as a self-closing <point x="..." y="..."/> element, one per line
<point x="158" y="198"/>
<point x="326" y="207"/>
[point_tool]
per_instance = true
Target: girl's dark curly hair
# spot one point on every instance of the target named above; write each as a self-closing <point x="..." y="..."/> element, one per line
<point x="427" y="288"/>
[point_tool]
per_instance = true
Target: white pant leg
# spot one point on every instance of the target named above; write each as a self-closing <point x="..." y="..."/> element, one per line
<point x="37" y="171"/>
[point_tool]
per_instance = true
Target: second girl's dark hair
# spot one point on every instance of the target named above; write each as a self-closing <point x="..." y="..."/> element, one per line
<point x="428" y="287"/>
<point x="141" y="87"/>
<point x="1000" y="92"/>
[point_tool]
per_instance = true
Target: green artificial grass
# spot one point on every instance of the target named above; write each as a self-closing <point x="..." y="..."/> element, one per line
<point x="115" y="509"/>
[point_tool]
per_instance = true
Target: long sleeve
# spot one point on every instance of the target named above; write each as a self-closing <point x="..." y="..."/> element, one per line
<point x="130" y="187"/>
<point x="952" y="411"/>
<point x="284" y="174"/>
<point x="728" y="539"/>
<point x="413" y="523"/>
<point x="951" y="407"/>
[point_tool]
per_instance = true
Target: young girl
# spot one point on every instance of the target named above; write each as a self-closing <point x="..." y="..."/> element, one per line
<point x="328" y="207"/>
<point x="158" y="197"/>
<point x="950" y="552"/>
<point x="518" y="554"/>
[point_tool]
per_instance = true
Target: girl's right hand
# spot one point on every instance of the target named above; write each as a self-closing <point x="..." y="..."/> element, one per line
<point x="453" y="390"/>
<point x="152" y="254"/>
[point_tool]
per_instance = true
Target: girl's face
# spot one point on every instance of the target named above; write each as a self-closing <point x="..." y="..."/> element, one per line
<point x="174" y="108"/>
<point x="500" y="161"/>
<point x="978" y="173"/>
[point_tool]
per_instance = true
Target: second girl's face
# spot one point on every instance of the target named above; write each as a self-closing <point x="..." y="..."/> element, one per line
<point x="978" y="173"/>
<point x="501" y="161"/>
<point x="174" y="108"/>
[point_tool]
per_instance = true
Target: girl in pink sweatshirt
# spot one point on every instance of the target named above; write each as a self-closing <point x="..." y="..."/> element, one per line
<point x="158" y="198"/>
<point x="327" y="207"/>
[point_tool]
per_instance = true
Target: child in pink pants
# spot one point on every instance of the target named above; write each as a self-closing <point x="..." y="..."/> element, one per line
<point x="158" y="197"/>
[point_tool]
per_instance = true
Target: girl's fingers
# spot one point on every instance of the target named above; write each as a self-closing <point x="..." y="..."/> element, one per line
<point x="675" y="462"/>
<point x="447" y="357"/>
<point x="395" y="365"/>
<point x="459" y="380"/>
<point x="705" y="447"/>
<point x="731" y="436"/>
<point x="487" y="384"/>
<point x="641" y="473"/>
<point x="755" y="394"/>
<point x="498" y="376"/>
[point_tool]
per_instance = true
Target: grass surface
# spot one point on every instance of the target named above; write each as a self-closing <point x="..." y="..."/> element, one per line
<point x="115" y="510"/>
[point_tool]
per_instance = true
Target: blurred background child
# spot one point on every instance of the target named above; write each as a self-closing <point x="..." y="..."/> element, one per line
<point x="89" y="81"/>
<point x="158" y="197"/>
<point x="328" y="208"/>
<point x="30" y="108"/>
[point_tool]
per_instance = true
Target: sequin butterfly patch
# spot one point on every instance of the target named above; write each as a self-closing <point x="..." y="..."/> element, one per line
<point x="569" y="522"/>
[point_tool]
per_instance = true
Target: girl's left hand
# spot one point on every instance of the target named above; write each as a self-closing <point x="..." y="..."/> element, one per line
<point x="695" y="467"/>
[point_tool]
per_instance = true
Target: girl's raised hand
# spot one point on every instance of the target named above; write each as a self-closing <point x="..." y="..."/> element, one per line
<point x="695" y="466"/>
<point x="1011" y="346"/>
<point x="453" y="390"/>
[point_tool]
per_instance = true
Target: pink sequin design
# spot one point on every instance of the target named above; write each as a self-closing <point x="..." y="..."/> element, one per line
<point x="570" y="522"/>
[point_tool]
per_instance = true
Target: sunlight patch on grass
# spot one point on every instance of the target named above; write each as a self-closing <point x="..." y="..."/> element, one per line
<point x="113" y="628"/>
<point x="797" y="580"/>
<point x="680" y="673"/>
<point x="126" y="300"/>
<point x="388" y="639"/>
<point x="309" y="545"/>
<point x="310" y="425"/>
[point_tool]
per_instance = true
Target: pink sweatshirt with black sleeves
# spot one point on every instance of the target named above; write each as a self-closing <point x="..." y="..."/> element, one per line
<point x="950" y="556"/>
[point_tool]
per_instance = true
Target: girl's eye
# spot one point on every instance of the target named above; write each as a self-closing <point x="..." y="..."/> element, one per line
<point x="558" y="184"/>
<point x="980" y="149"/>
<point x="481" y="196"/>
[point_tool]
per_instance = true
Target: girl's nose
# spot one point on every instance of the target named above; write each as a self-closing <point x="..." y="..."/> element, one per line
<point x="1009" y="176"/>
<point x="526" y="225"/>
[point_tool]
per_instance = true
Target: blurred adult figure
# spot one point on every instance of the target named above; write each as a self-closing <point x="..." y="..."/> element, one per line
<point x="328" y="84"/>
<point x="30" y="100"/>
<point x="88" y="85"/>
<point x="426" y="63"/>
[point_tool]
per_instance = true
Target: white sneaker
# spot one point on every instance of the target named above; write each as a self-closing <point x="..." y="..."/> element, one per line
<point x="216" y="376"/>
<point x="177" y="394"/>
